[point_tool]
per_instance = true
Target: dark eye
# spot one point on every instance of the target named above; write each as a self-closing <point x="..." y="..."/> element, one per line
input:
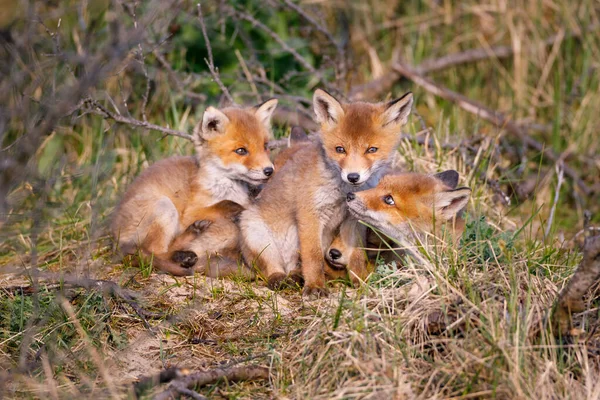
<point x="241" y="151"/>
<point x="372" y="150"/>
<point x="389" y="200"/>
<point x="340" y="150"/>
<point x="266" y="146"/>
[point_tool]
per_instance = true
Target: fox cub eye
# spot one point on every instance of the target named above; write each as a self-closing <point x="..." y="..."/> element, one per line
<point x="372" y="150"/>
<point x="340" y="150"/>
<point x="241" y="151"/>
<point x="266" y="146"/>
<point x="389" y="200"/>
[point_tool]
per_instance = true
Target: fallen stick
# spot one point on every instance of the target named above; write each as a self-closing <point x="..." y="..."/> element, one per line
<point x="570" y="298"/>
<point x="494" y="117"/>
<point x="383" y="84"/>
<point x="203" y="378"/>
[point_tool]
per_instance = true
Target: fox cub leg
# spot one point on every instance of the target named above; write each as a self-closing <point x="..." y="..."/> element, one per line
<point x="311" y="254"/>
<point x="153" y="234"/>
<point x="266" y="250"/>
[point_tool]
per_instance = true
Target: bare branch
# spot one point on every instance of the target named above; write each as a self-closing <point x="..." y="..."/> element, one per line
<point x="494" y="117"/>
<point x="180" y="85"/>
<point x="99" y="109"/>
<point x="383" y="84"/>
<point x="339" y="47"/>
<point x="203" y="378"/>
<point x="210" y="62"/>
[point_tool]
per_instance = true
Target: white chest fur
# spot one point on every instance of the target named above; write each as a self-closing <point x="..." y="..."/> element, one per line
<point x="221" y="187"/>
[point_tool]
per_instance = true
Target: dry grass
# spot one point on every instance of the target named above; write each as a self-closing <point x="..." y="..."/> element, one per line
<point x="466" y="322"/>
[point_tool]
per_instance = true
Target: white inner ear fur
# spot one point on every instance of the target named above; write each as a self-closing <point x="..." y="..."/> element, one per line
<point x="327" y="108"/>
<point x="264" y="112"/>
<point x="397" y="111"/>
<point x="213" y="124"/>
<point x="450" y="202"/>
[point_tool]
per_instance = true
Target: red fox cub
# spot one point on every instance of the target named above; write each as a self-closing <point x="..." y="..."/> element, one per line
<point x="298" y="211"/>
<point x="171" y="195"/>
<point x="402" y="204"/>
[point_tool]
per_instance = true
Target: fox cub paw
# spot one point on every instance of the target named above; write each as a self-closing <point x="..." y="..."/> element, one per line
<point x="199" y="226"/>
<point x="186" y="259"/>
<point x="310" y="291"/>
<point x="277" y="281"/>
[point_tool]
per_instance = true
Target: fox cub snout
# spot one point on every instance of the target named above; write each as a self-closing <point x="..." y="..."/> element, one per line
<point x="165" y="208"/>
<point x="401" y="205"/>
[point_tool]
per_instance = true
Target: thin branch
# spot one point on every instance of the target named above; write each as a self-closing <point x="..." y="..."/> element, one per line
<point x="210" y="62"/>
<point x="175" y="78"/>
<point x="203" y="378"/>
<point x="339" y="47"/>
<point x="494" y="117"/>
<point x="383" y="84"/>
<point x="99" y="109"/>
<point x="469" y="56"/>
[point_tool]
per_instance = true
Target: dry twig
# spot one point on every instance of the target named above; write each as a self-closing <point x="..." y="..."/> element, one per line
<point x="383" y="84"/>
<point x="494" y="117"/>
<point x="210" y="62"/>
<point x="203" y="378"/>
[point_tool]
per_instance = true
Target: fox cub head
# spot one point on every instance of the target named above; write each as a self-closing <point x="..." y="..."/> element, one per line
<point x="403" y="203"/>
<point x="360" y="137"/>
<point x="234" y="141"/>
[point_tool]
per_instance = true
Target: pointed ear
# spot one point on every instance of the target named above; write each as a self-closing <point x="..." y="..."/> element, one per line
<point x="449" y="202"/>
<point x="264" y="112"/>
<point x="213" y="124"/>
<point x="449" y="178"/>
<point x="397" y="111"/>
<point x="327" y="108"/>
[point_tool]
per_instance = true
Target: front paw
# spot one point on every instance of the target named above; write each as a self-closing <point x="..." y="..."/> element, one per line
<point x="315" y="292"/>
<point x="296" y="278"/>
<point x="186" y="259"/>
<point x="199" y="226"/>
<point x="277" y="281"/>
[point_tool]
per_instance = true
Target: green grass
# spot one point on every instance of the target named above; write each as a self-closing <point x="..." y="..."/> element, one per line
<point x="451" y="322"/>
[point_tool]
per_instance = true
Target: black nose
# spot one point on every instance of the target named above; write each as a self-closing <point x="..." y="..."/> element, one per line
<point x="268" y="171"/>
<point x="353" y="177"/>
<point x="350" y="196"/>
<point x="334" y="254"/>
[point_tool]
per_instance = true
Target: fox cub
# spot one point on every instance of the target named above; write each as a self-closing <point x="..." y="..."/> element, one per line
<point x="402" y="205"/>
<point x="175" y="200"/>
<point x="298" y="211"/>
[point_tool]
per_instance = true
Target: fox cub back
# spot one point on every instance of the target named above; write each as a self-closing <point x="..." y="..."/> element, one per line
<point x="173" y="194"/>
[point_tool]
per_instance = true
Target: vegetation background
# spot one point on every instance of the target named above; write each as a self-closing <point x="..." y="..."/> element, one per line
<point x="92" y="92"/>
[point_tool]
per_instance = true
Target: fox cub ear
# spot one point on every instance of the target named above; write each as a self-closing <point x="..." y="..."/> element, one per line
<point x="213" y="124"/>
<point x="264" y="112"/>
<point x="397" y="111"/>
<point x="449" y="178"/>
<point x="450" y="202"/>
<point x="327" y="108"/>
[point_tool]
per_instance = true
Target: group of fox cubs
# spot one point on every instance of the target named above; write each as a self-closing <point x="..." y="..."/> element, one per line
<point x="202" y="213"/>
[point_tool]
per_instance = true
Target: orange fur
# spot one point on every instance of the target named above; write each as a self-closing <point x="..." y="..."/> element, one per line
<point x="420" y="203"/>
<point x="162" y="204"/>
<point x="297" y="212"/>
